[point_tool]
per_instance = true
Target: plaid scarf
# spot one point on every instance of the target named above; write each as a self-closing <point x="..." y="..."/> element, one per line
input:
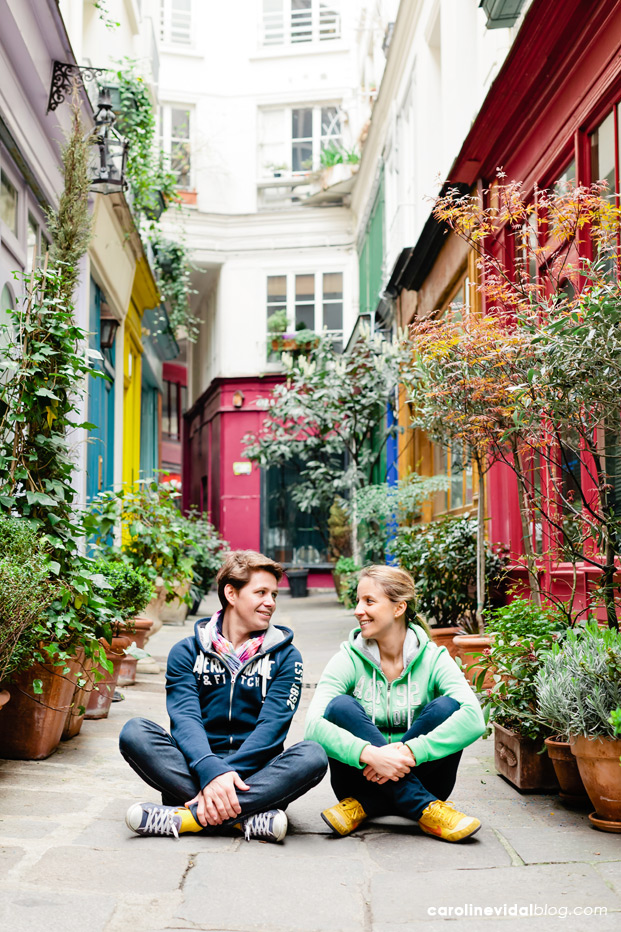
<point x="235" y="659"/>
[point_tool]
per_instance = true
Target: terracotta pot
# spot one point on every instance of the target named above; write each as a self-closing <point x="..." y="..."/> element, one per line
<point x="566" y="770"/>
<point x="127" y="673"/>
<point x="176" y="611"/>
<point x="518" y="759"/>
<point x="77" y="710"/>
<point x="101" y="695"/>
<point x="154" y="609"/>
<point x="445" y="637"/>
<point x="467" y="645"/>
<point x="600" y="769"/>
<point x="5" y="695"/>
<point x="32" y="723"/>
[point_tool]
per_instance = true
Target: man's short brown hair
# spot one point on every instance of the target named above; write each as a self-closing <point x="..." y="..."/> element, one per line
<point x="239" y="567"/>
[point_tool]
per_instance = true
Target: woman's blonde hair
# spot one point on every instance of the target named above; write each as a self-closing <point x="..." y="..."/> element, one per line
<point x="398" y="586"/>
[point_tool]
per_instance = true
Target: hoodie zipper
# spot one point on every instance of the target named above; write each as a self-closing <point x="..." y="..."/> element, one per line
<point x="234" y="676"/>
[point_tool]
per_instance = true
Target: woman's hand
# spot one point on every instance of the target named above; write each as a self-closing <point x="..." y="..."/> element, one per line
<point x="389" y="762"/>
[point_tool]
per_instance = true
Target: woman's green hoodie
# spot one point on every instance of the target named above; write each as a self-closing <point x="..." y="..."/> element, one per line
<point x="429" y="671"/>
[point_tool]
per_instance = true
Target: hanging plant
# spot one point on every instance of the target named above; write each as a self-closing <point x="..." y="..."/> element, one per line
<point x="173" y="270"/>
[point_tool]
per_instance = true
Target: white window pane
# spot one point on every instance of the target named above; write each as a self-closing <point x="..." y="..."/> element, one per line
<point x="301" y="21"/>
<point x="273" y="22"/>
<point x="329" y="22"/>
<point x="180" y="123"/>
<point x="302" y="123"/>
<point x="8" y="203"/>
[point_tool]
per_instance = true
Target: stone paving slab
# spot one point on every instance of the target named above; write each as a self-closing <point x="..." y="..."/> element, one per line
<point x="64" y="841"/>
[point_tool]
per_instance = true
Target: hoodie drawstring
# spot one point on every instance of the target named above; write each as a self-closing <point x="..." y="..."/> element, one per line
<point x="374" y="695"/>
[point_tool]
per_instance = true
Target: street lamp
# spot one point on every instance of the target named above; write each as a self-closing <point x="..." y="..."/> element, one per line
<point x="108" y="326"/>
<point x="109" y="149"/>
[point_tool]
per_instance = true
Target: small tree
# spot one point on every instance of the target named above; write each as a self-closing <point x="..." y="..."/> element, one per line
<point x="564" y="310"/>
<point x="330" y="417"/>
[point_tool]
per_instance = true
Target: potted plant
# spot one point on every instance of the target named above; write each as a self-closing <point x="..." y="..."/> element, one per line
<point x="442" y="558"/>
<point x="206" y="550"/>
<point x="298" y="581"/>
<point x="586" y="668"/>
<point x="522" y="635"/>
<point x="130" y="592"/>
<point x="345" y="577"/>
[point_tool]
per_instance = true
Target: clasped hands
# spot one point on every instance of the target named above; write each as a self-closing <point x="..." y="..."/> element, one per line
<point x="218" y="801"/>
<point x="389" y="762"/>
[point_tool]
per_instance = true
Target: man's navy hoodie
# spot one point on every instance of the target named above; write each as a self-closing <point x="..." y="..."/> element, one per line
<point x="223" y="721"/>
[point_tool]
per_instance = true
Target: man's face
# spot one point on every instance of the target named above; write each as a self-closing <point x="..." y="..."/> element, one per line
<point x="255" y="603"/>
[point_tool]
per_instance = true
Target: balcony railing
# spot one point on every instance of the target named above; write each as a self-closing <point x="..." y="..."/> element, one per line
<point x="276" y="344"/>
<point x="316" y="23"/>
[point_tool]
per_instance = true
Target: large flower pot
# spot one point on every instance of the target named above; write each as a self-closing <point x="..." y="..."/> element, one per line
<point x="101" y="695"/>
<point x="31" y="724"/>
<point x="81" y="694"/>
<point x="600" y="769"/>
<point x="445" y="637"/>
<point x="154" y="609"/>
<point x="141" y="628"/>
<point x="519" y="760"/>
<point x="566" y="770"/>
<point x="5" y="695"/>
<point x="298" y="583"/>
<point x="176" y="611"/>
<point x="467" y="647"/>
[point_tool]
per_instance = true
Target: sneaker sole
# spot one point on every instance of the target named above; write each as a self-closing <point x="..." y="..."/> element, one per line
<point x="335" y="828"/>
<point x="451" y="841"/>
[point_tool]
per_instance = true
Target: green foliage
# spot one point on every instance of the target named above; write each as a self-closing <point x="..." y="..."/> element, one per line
<point x="206" y="549"/>
<point x="380" y="509"/>
<point x="579" y="684"/>
<point x="335" y="154"/>
<point x="523" y="635"/>
<point x="130" y="591"/>
<point x="331" y="409"/>
<point x="173" y="270"/>
<point x="441" y="557"/>
<point x="277" y="322"/>
<point x="345" y="565"/>
<point x="339" y="532"/>
<point x="26" y="592"/>
<point x="104" y="14"/>
<point x="154" y="534"/>
<point x="615" y="720"/>
<point x="146" y="171"/>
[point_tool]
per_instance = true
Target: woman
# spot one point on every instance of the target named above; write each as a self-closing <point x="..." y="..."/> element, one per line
<point x="393" y="712"/>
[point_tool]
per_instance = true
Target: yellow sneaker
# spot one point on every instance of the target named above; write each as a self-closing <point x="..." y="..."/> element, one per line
<point x="153" y="819"/>
<point x="444" y="821"/>
<point x="345" y="817"/>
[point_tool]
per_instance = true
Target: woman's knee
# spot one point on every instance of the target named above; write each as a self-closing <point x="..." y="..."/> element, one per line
<point x="339" y="709"/>
<point x="444" y="706"/>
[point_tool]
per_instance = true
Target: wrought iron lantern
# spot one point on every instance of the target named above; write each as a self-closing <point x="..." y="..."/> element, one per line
<point x="109" y="149"/>
<point x="108" y="326"/>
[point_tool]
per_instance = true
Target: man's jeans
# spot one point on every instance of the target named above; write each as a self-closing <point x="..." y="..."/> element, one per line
<point x="412" y="793"/>
<point x="155" y="757"/>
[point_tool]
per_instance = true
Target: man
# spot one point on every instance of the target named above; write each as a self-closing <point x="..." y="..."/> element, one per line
<point x="232" y="689"/>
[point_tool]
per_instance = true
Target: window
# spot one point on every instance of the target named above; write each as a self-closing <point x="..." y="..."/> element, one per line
<point x="292" y="22"/>
<point x="8" y="203"/>
<point x="455" y="463"/>
<point x="312" y="129"/>
<point x="176" y="22"/>
<point x="176" y="141"/>
<point x="604" y="151"/>
<point x="312" y="301"/>
<point x="174" y="406"/>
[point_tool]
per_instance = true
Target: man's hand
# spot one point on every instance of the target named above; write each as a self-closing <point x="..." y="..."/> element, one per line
<point x="218" y="801"/>
<point x="389" y="762"/>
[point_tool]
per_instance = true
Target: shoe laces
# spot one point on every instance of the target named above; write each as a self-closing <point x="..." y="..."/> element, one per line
<point x="445" y="813"/>
<point x="259" y="824"/>
<point x="161" y="821"/>
<point x="353" y="809"/>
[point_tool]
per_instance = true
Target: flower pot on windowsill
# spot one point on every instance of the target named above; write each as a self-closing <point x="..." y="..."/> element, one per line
<point x="519" y="760"/>
<point x="298" y="583"/>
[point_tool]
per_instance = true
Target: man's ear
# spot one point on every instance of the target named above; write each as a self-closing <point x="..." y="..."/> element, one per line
<point x="230" y="593"/>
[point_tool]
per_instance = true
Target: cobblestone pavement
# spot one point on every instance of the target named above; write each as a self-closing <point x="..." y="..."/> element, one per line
<point x="69" y="863"/>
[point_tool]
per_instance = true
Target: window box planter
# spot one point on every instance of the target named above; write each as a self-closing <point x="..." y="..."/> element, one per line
<point x="519" y="760"/>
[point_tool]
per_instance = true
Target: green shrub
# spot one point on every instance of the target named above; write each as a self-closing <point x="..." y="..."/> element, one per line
<point x="579" y="683"/>
<point x="441" y="557"/>
<point x="130" y="591"/>
<point x="206" y="549"/>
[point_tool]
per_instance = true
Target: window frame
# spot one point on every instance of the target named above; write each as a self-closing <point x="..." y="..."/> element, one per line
<point x="284" y="27"/>
<point x="318" y="140"/>
<point x="165" y="27"/>
<point x="319" y="301"/>
<point x="166" y="138"/>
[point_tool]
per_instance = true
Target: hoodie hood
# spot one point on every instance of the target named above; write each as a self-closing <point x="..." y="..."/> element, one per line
<point x="415" y="642"/>
<point x="276" y="636"/>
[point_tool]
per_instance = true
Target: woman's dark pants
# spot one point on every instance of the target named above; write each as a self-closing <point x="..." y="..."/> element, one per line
<point x="154" y="755"/>
<point x="412" y="793"/>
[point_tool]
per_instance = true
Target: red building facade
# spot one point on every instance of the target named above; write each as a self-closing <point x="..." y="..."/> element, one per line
<point x="553" y="112"/>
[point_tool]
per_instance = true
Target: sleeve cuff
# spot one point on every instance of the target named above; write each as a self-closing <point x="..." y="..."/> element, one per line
<point x="207" y="768"/>
<point x="420" y="750"/>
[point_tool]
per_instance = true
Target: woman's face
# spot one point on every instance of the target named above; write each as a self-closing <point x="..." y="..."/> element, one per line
<point x="375" y="613"/>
